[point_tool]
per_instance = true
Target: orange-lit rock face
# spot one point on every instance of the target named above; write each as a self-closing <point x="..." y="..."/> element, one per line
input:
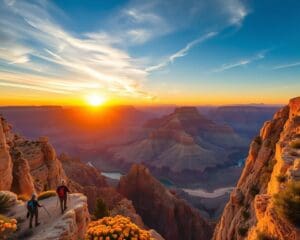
<point x="5" y="159"/>
<point x="160" y="209"/>
<point x="273" y="162"/>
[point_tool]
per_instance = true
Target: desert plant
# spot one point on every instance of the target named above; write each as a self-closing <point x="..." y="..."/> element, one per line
<point x="118" y="227"/>
<point x="254" y="190"/>
<point x="258" y="140"/>
<point x="7" y="226"/>
<point x="287" y="203"/>
<point x="46" y="194"/>
<point x="281" y="178"/>
<point x="23" y="197"/>
<point x="4" y="202"/>
<point x="295" y="143"/>
<point x="101" y="209"/>
<point x="264" y="236"/>
<point x="242" y="231"/>
<point x="245" y="214"/>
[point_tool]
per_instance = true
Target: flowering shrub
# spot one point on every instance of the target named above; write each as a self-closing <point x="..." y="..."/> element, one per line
<point x="7" y="226"/>
<point x="46" y="194"/>
<point x="116" y="228"/>
<point x="23" y="197"/>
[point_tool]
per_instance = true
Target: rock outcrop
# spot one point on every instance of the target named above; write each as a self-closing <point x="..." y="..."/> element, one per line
<point x="27" y="166"/>
<point x="173" y="218"/>
<point x="54" y="226"/>
<point x="5" y="159"/>
<point x="272" y="164"/>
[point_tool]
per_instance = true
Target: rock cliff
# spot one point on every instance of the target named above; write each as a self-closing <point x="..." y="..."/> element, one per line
<point x="54" y="226"/>
<point x="173" y="218"/>
<point x="5" y="159"/>
<point x="272" y="165"/>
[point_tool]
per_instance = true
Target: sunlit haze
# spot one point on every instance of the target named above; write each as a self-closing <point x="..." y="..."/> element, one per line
<point x="149" y="52"/>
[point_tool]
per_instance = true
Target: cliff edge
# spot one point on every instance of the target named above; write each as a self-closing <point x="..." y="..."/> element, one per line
<point x="258" y="206"/>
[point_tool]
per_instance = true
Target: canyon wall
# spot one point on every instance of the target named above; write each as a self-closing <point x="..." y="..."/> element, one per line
<point x="172" y="217"/>
<point x="273" y="164"/>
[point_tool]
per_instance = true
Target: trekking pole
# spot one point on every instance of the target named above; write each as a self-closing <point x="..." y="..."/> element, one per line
<point x="56" y="203"/>
<point x="46" y="211"/>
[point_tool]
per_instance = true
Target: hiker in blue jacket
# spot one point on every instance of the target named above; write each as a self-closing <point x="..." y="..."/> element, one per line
<point x="32" y="207"/>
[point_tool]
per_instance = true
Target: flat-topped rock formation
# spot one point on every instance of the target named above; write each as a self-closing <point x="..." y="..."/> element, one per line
<point x="182" y="140"/>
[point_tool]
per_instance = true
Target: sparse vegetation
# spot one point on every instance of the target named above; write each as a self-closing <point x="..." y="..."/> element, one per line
<point x="295" y="144"/>
<point x="264" y="236"/>
<point x="294" y="154"/>
<point x="254" y="190"/>
<point x="118" y="227"/>
<point x="46" y="194"/>
<point x="101" y="210"/>
<point x="4" y="203"/>
<point x="258" y="140"/>
<point x="287" y="203"/>
<point x="242" y="231"/>
<point x="7" y="227"/>
<point x="23" y="197"/>
<point x="245" y="214"/>
<point x="270" y="165"/>
<point x="281" y="178"/>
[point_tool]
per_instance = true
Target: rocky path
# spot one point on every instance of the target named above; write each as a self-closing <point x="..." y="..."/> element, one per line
<point x="53" y="224"/>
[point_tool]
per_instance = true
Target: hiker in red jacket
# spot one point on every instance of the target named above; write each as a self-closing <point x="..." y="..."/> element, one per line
<point x="62" y="192"/>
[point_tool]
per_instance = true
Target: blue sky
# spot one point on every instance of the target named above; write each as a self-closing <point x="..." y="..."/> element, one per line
<point x="150" y="52"/>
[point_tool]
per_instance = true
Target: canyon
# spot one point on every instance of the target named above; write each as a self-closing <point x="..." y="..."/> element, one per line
<point x="141" y="194"/>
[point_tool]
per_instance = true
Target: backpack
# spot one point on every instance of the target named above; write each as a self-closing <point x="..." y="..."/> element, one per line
<point x="30" y="206"/>
<point x="61" y="192"/>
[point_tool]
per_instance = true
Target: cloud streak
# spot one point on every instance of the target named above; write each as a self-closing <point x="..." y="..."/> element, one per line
<point x="290" y="65"/>
<point x="97" y="62"/>
<point x="40" y="54"/>
<point x="182" y="52"/>
<point x="240" y="63"/>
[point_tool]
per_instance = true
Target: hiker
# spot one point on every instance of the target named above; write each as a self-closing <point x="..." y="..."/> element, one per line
<point x="32" y="207"/>
<point x="62" y="191"/>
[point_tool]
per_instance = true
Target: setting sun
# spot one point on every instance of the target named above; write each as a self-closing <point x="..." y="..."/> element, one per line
<point x="95" y="100"/>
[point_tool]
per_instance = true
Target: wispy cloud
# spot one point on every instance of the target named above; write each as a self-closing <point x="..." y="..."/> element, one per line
<point x="32" y="40"/>
<point x="241" y="62"/>
<point x="142" y="21"/>
<point x="182" y="52"/>
<point x="40" y="54"/>
<point x="289" y="65"/>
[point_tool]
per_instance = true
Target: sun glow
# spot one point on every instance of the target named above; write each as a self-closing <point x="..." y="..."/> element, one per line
<point x="95" y="100"/>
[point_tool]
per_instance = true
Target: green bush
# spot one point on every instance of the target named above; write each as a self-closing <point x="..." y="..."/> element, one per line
<point x="287" y="203"/>
<point x="46" y="194"/>
<point x="295" y="144"/>
<point x="281" y="178"/>
<point x="242" y="231"/>
<point x="4" y="203"/>
<point x="101" y="209"/>
<point x="254" y="190"/>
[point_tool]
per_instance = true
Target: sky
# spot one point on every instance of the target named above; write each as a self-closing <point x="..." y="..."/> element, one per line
<point x="184" y="52"/>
